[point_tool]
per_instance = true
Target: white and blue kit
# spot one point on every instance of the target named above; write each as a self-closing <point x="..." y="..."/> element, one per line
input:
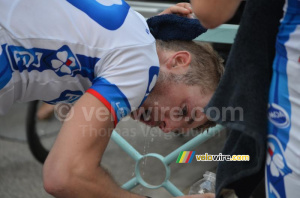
<point x="57" y="50"/>
<point x="283" y="154"/>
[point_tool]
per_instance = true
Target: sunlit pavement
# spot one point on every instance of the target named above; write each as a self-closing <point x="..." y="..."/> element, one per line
<point x="21" y="174"/>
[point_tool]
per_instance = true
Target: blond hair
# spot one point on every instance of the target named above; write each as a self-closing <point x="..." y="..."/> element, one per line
<point x="206" y="68"/>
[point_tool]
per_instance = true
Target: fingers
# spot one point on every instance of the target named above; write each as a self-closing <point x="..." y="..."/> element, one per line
<point x="181" y="9"/>
<point x="187" y="6"/>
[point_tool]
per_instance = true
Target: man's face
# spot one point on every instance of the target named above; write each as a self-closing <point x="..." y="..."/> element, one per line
<point x="174" y="107"/>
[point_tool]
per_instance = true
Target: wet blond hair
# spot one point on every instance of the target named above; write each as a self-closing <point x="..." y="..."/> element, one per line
<point x="206" y="68"/>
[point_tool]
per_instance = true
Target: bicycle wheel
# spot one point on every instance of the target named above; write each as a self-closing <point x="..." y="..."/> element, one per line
<point x="40" y="133"/>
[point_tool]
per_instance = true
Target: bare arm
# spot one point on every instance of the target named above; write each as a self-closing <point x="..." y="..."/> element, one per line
<point x="213" y="13"/>
<point x="72" y="168"/>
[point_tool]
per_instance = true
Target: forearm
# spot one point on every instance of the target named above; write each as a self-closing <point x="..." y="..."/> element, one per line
<point x="79" y="176"/>
<point x="102" y="185"/>
<point x="98" y="183"/>
<point x="212" y="13"/>
<point x="72" y="168"/>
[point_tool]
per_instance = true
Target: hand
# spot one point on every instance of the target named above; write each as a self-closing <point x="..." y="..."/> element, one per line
<point x="206" y="195"/>
<point x="181" y="9"/>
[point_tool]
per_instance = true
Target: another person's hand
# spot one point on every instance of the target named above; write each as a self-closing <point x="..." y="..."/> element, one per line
<point x="206" y="195"/>
<point x="181" y="9"/>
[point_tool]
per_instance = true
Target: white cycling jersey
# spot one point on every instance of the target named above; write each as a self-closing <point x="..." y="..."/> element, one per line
<point x="57" y="50"/>
<point x="283" y="154"/>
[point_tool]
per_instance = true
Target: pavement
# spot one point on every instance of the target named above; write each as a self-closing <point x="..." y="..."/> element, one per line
<point x="21" y="174"/>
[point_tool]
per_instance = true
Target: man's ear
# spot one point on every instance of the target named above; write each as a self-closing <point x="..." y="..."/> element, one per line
<point x="179" y="62"/>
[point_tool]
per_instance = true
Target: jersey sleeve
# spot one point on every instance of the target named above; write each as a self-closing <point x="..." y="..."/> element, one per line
<point x="125" y="78"/>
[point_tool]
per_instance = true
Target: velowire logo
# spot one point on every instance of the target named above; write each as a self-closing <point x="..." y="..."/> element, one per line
<point x="185" y="157"/>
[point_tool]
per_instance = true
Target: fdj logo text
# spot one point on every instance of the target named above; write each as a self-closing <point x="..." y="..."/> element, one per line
<point x="25" y="58"/>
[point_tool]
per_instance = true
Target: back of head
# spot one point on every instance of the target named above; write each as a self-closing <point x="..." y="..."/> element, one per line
<point x="206" y="68"/>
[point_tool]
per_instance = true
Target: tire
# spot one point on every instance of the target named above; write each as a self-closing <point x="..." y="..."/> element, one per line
<point x="36" y="147"/>
<point x="41" y="134"/>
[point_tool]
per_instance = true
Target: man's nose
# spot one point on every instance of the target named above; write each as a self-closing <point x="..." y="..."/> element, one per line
<point x="167" y="125"/>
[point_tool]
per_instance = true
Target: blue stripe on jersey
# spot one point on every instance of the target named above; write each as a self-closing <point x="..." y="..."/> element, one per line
<point x="87" y="65"/>
<point x="5" y="70"/>
<point x="279" y="114"/>
<point x="293" y="6"/>
<point x="110" y="17"/>
<point x="113" y="95"/>
<point x="62" y="61"/>
<point x="281" y="83"/>
<point x="153" y="75"/>
<point x="67" y="96"/>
